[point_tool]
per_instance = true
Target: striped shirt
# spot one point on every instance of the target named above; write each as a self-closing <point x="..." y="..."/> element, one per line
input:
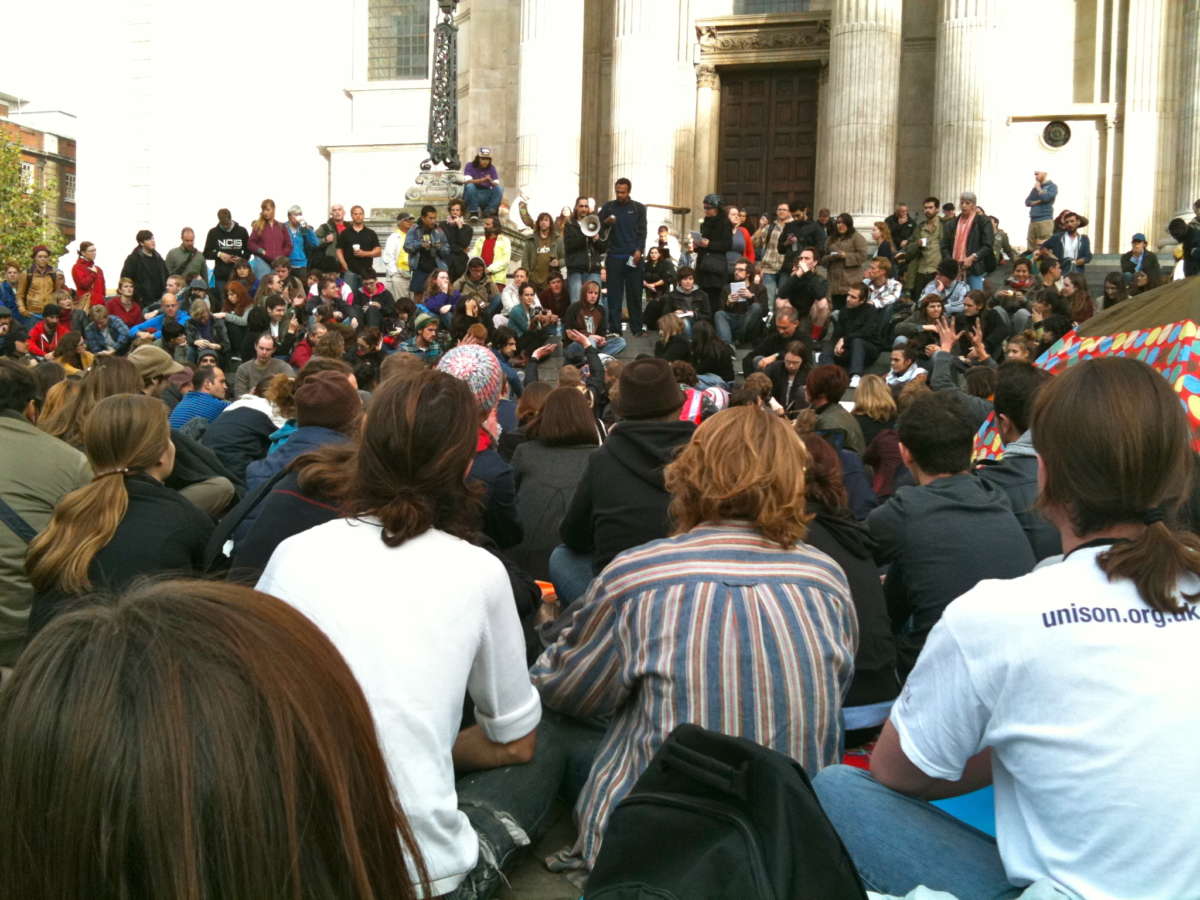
<point x="719" y="627"/>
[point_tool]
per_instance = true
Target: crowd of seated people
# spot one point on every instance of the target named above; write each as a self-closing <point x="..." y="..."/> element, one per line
<point x="318" y="579"/>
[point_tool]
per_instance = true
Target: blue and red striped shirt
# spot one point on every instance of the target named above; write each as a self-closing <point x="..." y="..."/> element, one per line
<point x="719" y="627"/>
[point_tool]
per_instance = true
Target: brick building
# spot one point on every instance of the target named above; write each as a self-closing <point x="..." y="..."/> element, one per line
<point x="47" y="154"/>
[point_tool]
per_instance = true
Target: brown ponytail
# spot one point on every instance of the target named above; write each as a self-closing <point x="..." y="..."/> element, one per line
<point x="1155" y="561"/>
<point x="127" y="434"/>
<point x="411" y="468"/>
<point x="1115" y="447"/>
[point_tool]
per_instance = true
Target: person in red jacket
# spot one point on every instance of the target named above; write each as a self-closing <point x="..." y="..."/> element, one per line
<point x="44" y="337"/>
<point x="743" y="241"/>
<point x="269" y="239"/>
<point x="123" y="306"/>
<point x="89" y="277"/>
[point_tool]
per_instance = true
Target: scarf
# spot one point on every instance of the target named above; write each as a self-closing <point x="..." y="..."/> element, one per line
<point x="960" y="236"/>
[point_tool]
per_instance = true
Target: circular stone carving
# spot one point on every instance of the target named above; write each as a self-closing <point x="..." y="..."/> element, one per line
<point x="1056" y="133"/>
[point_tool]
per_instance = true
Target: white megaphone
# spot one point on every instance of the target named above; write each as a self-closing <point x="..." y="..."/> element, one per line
<point x="514" y="213"/>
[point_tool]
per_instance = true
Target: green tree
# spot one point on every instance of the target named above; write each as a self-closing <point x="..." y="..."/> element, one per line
<point x="24" y="222"/>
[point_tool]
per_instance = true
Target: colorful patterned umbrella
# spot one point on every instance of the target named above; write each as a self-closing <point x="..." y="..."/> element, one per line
<point x="1160" y="327"/>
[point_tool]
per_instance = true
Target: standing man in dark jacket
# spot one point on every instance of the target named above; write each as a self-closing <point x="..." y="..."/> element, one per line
<point x="1017" y="384"/>
<point x="716" y="238"/>
<point x="147" y="269"/>
<point x="584" y="255"/>
<point x="459" y="235"/>
<point x="626" y="220"/>
<point x="946" y="534"/>
<point x="799" y="233"/>
<point x="969" y="240"/>
<point x="622" y="500"/>
<point x="226" y="241"/>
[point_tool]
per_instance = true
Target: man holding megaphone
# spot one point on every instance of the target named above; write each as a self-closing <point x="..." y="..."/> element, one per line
<point x="583" y="242"/>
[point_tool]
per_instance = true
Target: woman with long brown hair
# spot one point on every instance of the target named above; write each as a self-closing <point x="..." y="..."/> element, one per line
<point x="71" y="354"/>
<point x="125" y="523"/>
<point x="423" y="617"/>
<point x="547" y="468"/>
<point x="1064" y="685"/>
<point x="195" y="740"/>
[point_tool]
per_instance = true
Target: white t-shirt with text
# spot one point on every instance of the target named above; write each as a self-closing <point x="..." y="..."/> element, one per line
<point x="1088" y="699"/>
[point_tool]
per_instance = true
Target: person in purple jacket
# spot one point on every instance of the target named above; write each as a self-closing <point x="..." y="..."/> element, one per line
<point x="482" y="190"/>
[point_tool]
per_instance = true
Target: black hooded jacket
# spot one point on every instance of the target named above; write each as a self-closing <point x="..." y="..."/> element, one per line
<point x="621" y="501"/>
<point x="853" y="548"/>
<point x="235" y="241"/>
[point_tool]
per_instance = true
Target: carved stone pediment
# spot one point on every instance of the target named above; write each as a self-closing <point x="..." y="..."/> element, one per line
<point x="741" y="40"/>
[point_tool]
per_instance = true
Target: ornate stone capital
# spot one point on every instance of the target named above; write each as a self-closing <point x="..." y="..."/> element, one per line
<point x="707" y="77"/>
<point x="734" y="40"/>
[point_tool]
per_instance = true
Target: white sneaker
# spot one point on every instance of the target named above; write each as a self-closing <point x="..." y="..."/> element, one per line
<point x="854" y="381"/>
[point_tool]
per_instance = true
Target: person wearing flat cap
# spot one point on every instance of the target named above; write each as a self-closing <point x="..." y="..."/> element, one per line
<point x="1072" y="249"/>
<point x="154" y="365"/>
<point x="1140" y="258"/>
<point x="621" y="502"/>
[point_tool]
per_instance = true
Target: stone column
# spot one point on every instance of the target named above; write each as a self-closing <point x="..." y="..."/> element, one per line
<point x="864" y="72"/>
<point x="708" y="132"/>
<point x="647" y="99"/>
<point x="1141" y="121"/>
<point x="967" y="111"/>
<point x="549" y="114"/>
<point x="1187" y="166"/>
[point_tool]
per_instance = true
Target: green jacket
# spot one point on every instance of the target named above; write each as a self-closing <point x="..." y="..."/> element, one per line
<point x="38" y="471"/>
<point x="193" y="265"/>
<point x="927" y="257"/>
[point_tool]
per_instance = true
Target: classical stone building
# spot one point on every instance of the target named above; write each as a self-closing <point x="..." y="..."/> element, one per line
<point x="850" y="104"/>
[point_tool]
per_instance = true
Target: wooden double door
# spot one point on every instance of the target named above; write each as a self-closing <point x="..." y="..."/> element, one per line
<point x="768" y="138"/>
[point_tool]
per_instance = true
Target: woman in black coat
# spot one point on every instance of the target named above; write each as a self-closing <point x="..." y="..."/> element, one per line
<point x="711" y="355"/>
<point x="716" y="237"/>
<point x="834" y="531"/>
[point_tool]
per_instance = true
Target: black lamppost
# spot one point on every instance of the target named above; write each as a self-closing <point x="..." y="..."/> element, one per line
<point x="442" y="143"/>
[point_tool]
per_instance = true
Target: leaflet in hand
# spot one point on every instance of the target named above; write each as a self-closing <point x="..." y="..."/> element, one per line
<point x="736" y="287"/>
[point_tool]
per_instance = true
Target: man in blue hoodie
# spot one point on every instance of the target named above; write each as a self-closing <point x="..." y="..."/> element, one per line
<point x="626" y="220"/>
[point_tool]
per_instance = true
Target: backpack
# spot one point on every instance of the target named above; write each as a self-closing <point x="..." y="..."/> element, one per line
<point x="714" y="817"/>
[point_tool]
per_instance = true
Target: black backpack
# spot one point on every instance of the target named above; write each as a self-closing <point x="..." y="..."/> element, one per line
<point x="714" y="817"/>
